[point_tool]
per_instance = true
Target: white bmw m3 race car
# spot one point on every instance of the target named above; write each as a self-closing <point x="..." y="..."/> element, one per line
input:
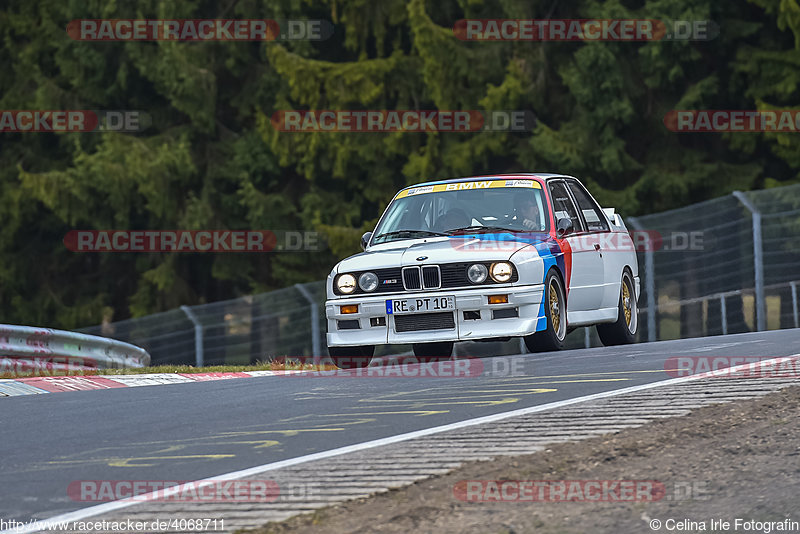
<point x="485" y="258"/>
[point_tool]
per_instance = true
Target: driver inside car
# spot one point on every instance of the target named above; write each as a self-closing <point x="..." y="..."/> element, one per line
<point x="528" y="214"/>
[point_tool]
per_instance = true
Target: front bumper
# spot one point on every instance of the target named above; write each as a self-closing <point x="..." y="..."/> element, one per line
<point x="525" y="301"/>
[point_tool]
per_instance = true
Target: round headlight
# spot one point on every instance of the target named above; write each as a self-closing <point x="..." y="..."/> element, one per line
<point x="346" y="284"/>
<point x="368" y="282"/>
<point x="502" y="271"/>
<point x="477" y="273"/>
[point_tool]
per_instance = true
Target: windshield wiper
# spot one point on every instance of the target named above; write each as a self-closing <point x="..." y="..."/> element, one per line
<point x="478" y="227"/>
<point x="409" y="233"/>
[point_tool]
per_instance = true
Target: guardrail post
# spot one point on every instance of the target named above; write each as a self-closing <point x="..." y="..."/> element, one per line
<point x="316" y="347"/>
<point x="724" y="311"/>
<point x="649" y="282"/>
<point x="794" y="304"/>
<point x="758" y="260"/>
<point x="198" y="335"/>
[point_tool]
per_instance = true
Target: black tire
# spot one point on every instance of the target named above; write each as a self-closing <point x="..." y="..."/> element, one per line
<point x="441" y="350"/>
<point x="623" y="331"/>
<point x="552" y="337"/>
<point x="352" y="357"/>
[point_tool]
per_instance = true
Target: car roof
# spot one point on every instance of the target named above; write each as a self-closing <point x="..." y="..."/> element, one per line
<point x="523" y="175"/>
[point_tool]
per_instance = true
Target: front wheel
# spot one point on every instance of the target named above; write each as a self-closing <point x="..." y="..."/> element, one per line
<point x="352" y="357"/>
<point x="441" y="350"/>
<point x="623" y="331"/>
<point x="555" y="308"/>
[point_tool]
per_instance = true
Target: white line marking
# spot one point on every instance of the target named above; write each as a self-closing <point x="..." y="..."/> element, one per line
<point x="91" y="511"/>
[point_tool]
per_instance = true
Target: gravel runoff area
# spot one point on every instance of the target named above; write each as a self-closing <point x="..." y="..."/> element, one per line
<point x="737" y="463"/>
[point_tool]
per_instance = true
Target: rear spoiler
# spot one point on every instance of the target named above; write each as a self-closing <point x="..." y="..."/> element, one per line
<point x="614" y="218"/>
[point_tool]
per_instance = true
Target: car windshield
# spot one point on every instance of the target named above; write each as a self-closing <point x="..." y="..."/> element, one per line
<point x="449" y="209"/>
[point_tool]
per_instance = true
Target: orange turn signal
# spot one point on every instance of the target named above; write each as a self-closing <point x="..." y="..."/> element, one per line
<point x="350" y="308"/>
<point x="498" y="299"/>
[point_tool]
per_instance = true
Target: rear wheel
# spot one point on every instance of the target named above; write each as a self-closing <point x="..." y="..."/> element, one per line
<point x="441" y="350"/>
<point x="352" y="357"/>
<point x="555" y="308"/>
<point x="623" y="331"/>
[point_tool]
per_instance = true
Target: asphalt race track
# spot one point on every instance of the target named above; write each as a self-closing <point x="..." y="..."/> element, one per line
<point x="185" y="432"/>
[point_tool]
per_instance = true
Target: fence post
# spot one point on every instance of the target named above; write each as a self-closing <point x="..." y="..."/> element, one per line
<point x="198" y="336"/>
<point x="758" y="259"/>
<point x="794" y="304"/>
<point x="315" y="341"/>
<point x="724" y="312"/>
<point x="649" y="282"/>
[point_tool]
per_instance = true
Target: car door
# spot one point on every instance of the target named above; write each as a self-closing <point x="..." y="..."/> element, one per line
<point x="599" y="233"/>
<point x="586" y="280"/>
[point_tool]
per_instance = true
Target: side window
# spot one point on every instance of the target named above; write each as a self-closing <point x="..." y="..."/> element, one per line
<point x="563" y="206"/>
<point x="595" y="220"/>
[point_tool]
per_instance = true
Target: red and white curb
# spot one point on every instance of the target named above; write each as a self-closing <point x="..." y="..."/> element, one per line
<point x="60" y="384"/>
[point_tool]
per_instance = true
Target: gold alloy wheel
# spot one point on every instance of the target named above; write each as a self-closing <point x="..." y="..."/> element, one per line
<point x="626" y="303"/>
<point x="555" y="316"/>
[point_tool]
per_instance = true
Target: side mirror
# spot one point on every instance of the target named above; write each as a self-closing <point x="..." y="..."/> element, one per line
<point x="564" y="226"/>
<point x="365" y="239"/>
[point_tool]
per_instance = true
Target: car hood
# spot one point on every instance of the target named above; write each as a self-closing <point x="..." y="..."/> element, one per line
<point x="451" y="249"/>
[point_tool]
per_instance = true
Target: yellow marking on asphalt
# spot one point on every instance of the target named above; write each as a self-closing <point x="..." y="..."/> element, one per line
<point x="482" y="403"/>
<point x="604" y="373"/>
<point x="526" y="380"/>
<point x="262" y="444"/>
<point x="171" y="448"/>
<point x="282" y="432"/>
<point x="412" y="392"/>
<point x="461" y="392"/>
<point x="419" y="413"/>
<point x="586" y="380"/>
<point x="314" y="394"/>
<point x="215" y="439"/>
<point x="491" y="393"/>
<point x="126" y="462"/>
<point x="302" y="418"/>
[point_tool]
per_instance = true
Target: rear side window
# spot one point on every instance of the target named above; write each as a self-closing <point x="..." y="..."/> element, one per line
<point x="595" y="220"/>
<point x="563" y="206"/>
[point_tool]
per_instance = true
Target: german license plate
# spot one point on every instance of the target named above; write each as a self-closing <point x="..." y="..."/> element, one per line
<point x="420" y="305"/>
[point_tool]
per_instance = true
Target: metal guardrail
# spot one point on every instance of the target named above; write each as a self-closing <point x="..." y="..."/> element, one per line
<point x="27" y="349"/>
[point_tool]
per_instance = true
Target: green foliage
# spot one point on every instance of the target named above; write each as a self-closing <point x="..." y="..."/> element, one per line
<point x="213" y="159"/>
